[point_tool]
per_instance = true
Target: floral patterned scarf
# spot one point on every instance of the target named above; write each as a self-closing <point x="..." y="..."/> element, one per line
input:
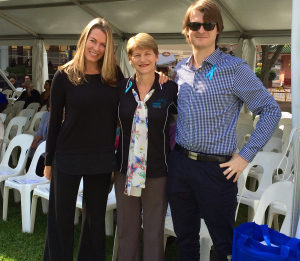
<point x="137" y="158"/>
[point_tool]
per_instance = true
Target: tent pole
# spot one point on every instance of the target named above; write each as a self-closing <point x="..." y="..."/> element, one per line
<point x="7" y="81"/>
<point x="295" y="61"/>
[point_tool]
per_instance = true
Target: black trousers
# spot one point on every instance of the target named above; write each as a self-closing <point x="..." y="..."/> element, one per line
<point x="198" y="189"/>
<point x="62" y="202"/>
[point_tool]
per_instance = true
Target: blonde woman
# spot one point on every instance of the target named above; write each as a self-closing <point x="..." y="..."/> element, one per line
<point x="144" y="114"/>
<point x="83" y="145"/>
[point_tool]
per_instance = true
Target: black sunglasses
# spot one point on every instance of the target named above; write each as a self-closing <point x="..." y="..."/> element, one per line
<point x="195" y="26"/>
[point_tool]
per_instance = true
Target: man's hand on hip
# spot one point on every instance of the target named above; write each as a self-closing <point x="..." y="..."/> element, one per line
<point x="235" y="166"/>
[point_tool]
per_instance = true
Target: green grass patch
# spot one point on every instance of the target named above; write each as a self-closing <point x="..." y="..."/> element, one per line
<point x="18" y="246"/>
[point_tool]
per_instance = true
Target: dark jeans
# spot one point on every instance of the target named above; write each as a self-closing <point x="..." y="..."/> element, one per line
<point x="62" y="202"/>
<point x="198" y="189"/>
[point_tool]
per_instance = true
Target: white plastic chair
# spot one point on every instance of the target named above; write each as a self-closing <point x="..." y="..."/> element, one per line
<point x="28" y="113"/>
<point x="17" y="107"/>
<point x="17" y="94"/>
<point x="43" y="192"/>
<point x="7" y="93"/>
<point x="111" y="205"/>
<point x="9" y="116"/>
<point x="256" y="172"/>
<point x="2" y="117"/>
<point x="285" y="171"/>
<point x="8" y="109"/>
<point x="282" y="192"/>
<point x="279" y="139"/>
<point x="286" y="114"/>
<point x="267" y="162"/>
<point x="1" y="133"/>
<point x="44" y="108"/>
<point x="24" y="142"/>
<point x="20" y="89"/>
<point x="34" y="106"/>
<point x="285" y="124"/>
<point x="34" y="125"/>
<point x="276" y="208"/>
<point x="274" y="144"/>
<point x="78" y="202"/>
<point x="25" y="184"/>
<point x="19" y="122"/>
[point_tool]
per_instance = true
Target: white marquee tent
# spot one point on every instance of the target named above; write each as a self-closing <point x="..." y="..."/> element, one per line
<point x="247" y="22"/>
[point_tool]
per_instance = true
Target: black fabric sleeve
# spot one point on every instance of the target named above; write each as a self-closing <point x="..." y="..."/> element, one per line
<point x="173" y="108"/>
<point x="57" y="104"/>
<point x="36" y="97"/>
<point x="120" y="75"/>
<point x="22" y="96"/>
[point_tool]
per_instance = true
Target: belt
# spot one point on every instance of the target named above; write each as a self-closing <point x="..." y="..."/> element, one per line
<point x="201" y="156"/>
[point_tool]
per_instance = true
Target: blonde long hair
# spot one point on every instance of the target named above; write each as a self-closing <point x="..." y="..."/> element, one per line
<point x="75" y="69"/>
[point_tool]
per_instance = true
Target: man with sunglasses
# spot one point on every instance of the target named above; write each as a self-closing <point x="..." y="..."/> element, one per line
<point x="204" y="167"/>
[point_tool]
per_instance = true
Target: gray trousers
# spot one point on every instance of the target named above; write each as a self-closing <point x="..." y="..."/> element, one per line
<point x="149" y="209"/>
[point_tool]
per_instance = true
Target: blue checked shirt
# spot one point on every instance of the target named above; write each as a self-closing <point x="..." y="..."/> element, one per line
<point x="209" y="104"/>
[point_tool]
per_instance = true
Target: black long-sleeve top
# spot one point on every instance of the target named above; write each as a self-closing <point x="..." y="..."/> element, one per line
<point x="84" y="142"/>
<point x="160" y="106"/>
<point x="34" y="97"/>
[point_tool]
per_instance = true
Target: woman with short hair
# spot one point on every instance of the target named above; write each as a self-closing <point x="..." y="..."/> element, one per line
<point x="144" y="114"/>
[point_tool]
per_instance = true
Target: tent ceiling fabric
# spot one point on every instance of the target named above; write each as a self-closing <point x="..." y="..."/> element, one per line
<point x="65" y="19"/>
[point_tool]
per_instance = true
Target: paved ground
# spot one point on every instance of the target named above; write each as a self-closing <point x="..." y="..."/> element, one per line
<point x="283" y="97"/>
<point x="285" y="106"/>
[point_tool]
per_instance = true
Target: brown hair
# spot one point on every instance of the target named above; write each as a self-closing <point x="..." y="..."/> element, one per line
<point x="75" y="69"/>
<point x="143" y="41"/>
<point x="211" y="13"/>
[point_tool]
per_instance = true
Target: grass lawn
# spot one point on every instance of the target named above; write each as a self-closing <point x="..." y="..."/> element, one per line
<point x="18" y="246"/>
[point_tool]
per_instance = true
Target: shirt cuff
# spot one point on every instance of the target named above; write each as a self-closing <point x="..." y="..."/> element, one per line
<point x="247" y="154"/>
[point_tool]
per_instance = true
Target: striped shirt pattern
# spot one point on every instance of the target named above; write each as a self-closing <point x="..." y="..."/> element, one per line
<point x="209" y="107"/>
